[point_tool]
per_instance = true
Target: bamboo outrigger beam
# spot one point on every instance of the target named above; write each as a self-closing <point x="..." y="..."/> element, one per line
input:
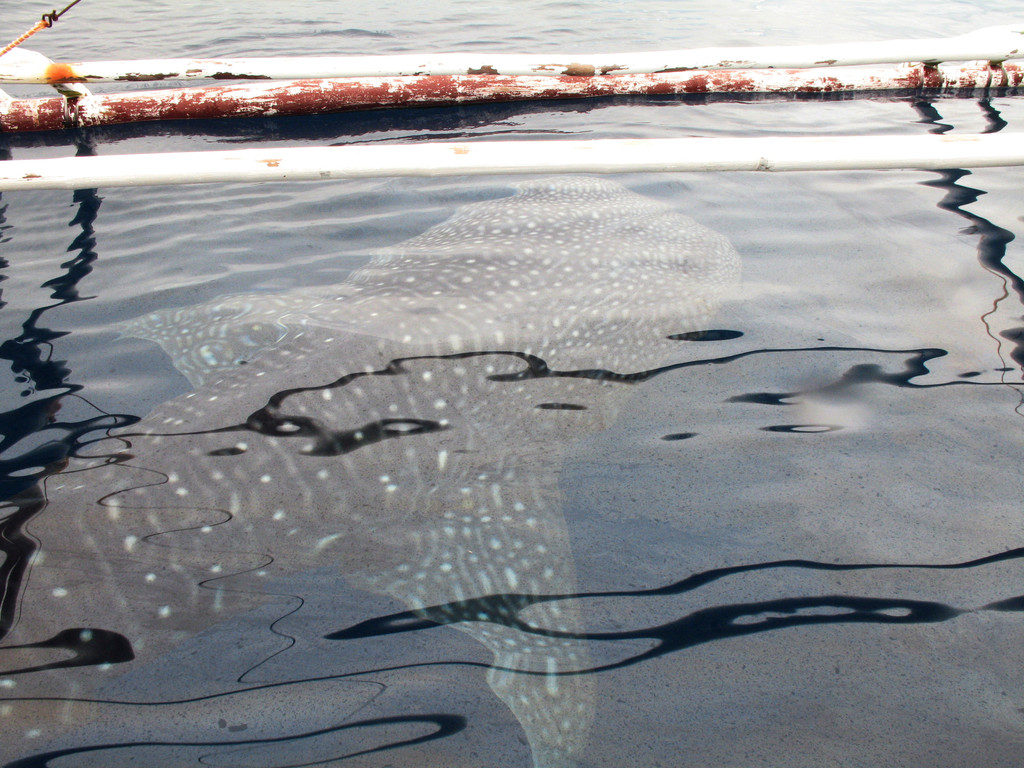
<point x="305" y="97"/>
<point x="995" y="44"/>
<point x="483" y="158"/>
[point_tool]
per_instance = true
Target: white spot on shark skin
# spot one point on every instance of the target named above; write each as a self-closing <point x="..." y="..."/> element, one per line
<point x="595" y="277"/>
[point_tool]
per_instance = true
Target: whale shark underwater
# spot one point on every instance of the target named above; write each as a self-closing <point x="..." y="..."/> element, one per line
<point x="401" y="431"/>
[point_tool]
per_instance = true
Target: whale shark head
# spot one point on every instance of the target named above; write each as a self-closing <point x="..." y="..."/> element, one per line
<point x="550" y="271"/>
<point x="403" y="428"/>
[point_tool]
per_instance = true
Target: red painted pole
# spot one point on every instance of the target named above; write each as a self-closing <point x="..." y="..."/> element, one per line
<point x="307" y="97"/>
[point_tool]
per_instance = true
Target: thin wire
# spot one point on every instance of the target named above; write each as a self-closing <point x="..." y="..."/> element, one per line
<point x="52" y="17"/>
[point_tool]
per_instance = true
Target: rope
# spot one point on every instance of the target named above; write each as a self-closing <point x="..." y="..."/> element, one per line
<point x="39" y="25"/>
<point x="48" y="20"/>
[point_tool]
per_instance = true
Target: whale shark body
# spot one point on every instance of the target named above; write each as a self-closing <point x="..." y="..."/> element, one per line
<point x="403" y="429"/>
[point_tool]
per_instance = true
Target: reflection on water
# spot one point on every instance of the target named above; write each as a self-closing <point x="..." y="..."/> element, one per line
<point x="992" y="239"/>
<point x="43" y="380"/>
<point x="404" y="428"/>
<point x="45" y="385"/>
<point x="708" y="625"/>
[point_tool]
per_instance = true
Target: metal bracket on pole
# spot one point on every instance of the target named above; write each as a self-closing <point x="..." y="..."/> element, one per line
<point x="71" y="90"/>
<point x="73" y="94"/>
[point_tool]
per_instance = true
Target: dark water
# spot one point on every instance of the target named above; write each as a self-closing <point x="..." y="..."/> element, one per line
<point x="604" y="503"/>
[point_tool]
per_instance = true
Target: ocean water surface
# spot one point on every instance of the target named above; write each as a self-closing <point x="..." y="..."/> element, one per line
<point x="646" y="469"/>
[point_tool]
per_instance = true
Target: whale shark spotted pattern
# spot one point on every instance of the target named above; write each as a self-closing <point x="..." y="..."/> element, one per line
<point x="404" y="427"/>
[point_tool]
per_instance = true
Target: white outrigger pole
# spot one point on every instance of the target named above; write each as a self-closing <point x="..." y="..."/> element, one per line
<point x="481" y="158"/>
<point x="992" y="44"/>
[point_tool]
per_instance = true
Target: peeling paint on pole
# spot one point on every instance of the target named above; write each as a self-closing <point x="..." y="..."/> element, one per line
<point x="307" y="97"/>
